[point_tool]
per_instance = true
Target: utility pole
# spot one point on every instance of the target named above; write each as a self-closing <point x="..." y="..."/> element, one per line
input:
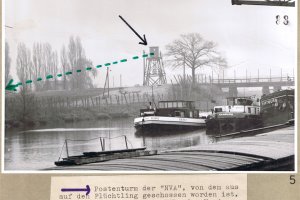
<point x="106" y="82"/>
<point x="184" y="68"/>
<point x="234" y="76"/>
<point x="120" y="80"/>
<point x="144" y="71"/>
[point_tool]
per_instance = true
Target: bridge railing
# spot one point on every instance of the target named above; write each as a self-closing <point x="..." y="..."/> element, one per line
<point x="251" y="80"/>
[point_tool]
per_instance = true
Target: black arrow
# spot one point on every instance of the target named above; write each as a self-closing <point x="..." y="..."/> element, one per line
<point x="86" y="189"/>
<point x="143" y="39"/>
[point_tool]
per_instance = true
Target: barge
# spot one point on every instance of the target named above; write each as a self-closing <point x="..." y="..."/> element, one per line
<point x="240" y="113"/>
<point x="277" y="107"/>
<point x="170" y="115"/>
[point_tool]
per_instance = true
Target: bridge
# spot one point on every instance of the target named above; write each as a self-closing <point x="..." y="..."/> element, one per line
<point x="265" y="83"/>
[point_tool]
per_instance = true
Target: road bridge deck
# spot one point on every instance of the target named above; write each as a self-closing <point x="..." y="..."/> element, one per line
<point x="251" y="82"/>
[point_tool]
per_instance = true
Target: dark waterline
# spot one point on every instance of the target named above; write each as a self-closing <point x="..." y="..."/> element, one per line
<point x="38" y="148"/>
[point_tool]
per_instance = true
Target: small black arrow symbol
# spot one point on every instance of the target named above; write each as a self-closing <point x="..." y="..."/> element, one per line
<point x="86" y="189"/>
<point x="143" y="39"/>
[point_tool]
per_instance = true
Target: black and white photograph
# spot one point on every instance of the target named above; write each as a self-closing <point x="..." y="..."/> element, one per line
<point x="138" y="85"/>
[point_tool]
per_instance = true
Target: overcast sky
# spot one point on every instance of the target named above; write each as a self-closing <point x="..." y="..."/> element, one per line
<point x="246" y="35"/>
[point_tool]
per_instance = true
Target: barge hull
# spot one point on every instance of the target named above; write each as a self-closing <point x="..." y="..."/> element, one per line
<point x="168" y="123"/>
<point x="227" y="125"/>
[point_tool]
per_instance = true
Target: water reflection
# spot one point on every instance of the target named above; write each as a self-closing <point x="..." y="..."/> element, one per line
<point x="176" y="140"/>
<point x="39" y="148"/>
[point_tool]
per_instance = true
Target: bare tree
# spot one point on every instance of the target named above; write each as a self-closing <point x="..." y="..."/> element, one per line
<point x="73" y="57"/>
<point x="78" y="63"/>
<point x="54" y="67"/>
<point x="89" y="82"/>
<point x="47" y="56"/>
<point x="194" y="52"/>
<point x="44" y="62"/>
<point x="24" y="72"/>
<point x="24" y="64"/>
<point x="7" y="63"/>
<point x="38" y="64"/>
<point x="64" y="65"/>
<point x="49" y="65"/>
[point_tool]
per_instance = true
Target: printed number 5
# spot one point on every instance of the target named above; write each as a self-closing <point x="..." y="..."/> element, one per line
<point x="292" y="179"/>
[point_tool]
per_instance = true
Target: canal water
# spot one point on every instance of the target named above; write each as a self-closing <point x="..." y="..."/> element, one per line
<point x="37" y="149"/>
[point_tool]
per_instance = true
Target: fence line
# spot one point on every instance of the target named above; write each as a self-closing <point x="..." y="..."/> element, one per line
<point x="59" y="102"/>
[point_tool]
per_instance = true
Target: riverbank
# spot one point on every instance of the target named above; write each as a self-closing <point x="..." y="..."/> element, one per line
<point x="38" y="108"/>
<point x="70" y="116"/>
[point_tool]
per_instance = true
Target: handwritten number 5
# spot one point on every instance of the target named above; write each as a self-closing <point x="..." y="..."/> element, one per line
<point x="292" y="179"/>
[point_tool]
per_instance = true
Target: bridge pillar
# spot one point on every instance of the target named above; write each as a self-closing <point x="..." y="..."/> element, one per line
<point x="232" y="92"/>
<point x="276" y="88"/>
<point x="265" y="90"/>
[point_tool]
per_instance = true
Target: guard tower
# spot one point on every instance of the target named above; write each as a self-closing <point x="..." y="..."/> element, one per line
<point x="154" y="72"/>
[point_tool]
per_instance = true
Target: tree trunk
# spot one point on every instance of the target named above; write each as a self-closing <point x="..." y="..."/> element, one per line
<point x="193" y="76"/>
<point x="65" y="79"/>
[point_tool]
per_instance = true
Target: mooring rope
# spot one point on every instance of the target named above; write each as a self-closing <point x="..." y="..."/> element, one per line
<point x="61" y="151"/>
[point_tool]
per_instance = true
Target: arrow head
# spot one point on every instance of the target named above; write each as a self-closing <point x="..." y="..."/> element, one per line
<point x="144" y="41"/>
<point x="10" y="82"/>
<point x="10" y="86"/>
<point x="88" y="189"/>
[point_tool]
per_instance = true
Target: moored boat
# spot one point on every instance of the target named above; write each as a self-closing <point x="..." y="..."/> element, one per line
<point x="170" y="115"/>
<point x="240" y="113"/>
<point x="277" y="107"/>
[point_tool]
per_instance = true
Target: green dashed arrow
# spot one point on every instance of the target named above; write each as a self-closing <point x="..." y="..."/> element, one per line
<point x="49" y="76"/>
<point x="12" y="87"/>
